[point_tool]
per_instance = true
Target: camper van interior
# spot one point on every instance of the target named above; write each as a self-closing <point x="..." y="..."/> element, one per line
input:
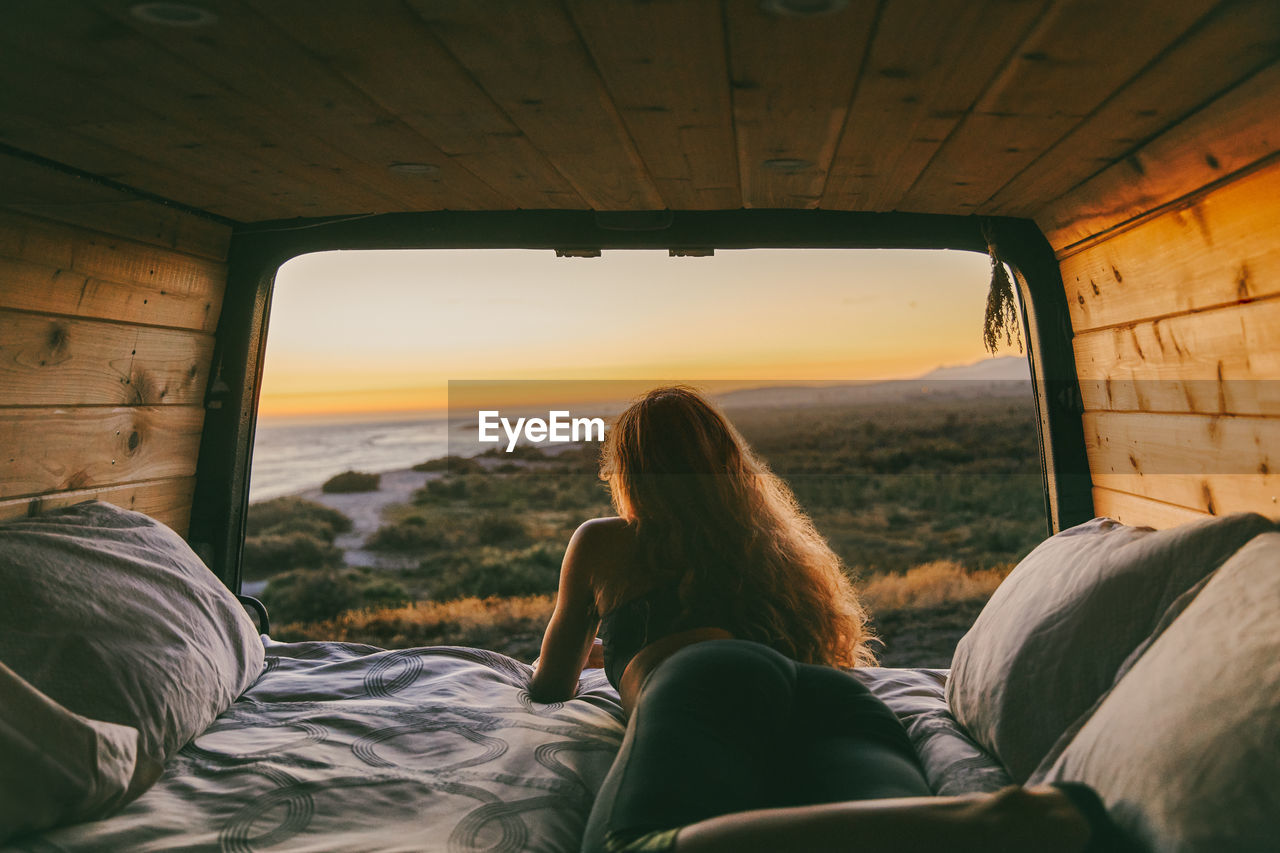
<point x="160" y="161"/>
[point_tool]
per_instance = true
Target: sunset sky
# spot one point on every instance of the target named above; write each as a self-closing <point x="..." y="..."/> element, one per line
<point x="384" y="331"/>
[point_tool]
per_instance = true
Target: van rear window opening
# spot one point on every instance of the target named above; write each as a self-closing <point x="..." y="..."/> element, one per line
<point x="424" y="453"/>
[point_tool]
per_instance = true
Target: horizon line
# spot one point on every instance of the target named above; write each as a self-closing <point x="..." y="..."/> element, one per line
<point x="613" y="399"/>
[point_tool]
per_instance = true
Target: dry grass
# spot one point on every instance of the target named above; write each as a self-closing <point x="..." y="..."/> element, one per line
<point x="515" y="625"/>
<point x="490" y="623"/>
<point x="930" y="585"/>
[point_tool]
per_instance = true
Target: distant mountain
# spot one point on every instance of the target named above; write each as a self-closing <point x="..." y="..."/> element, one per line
<point x="989" y="369"/>
<point x="991" y="377"/>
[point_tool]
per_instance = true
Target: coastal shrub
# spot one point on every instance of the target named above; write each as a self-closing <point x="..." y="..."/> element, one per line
<point x="291" y="533"/>
<point x="280" y="515"/>
<point x="442" y="491"/>
<point x="997" y="537"/>
<point x="503" y="530"/>
<point x="519" y="490"/>
<point x="488" y="571"/>
<point x="510" y="625"/>
<point x="307" y="527"/>
<point x="893" y="522"/>
<point x="584" y="459"/>
<point x="308" y="595"/>
<point x="272" y="553"/>
<point x="898" y="518"/>
<point x="351" y="481"/>
<point x="587" y="495"/>
<point x="458" y="529"/>
<point x="930" y="585"/>
<point x="523" y="452"/>
<point x="412" y="533"/>
<point x="451" y="465"/>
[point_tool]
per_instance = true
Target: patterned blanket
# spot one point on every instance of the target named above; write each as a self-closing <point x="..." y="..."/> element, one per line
<point x="343" y="747"/>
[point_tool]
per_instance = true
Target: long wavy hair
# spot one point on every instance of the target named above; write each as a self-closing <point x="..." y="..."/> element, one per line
<point x="711" y="517"/>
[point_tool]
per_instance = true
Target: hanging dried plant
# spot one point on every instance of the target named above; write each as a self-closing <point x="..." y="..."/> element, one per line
<point x="1002" y="309"/>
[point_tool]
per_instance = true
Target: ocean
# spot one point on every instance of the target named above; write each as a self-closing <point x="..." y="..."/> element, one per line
<point x="296" y="455"/>
<point x="291" y="456"/>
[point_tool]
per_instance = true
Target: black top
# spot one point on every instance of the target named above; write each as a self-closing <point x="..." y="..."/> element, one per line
<point x="636" y="623"/>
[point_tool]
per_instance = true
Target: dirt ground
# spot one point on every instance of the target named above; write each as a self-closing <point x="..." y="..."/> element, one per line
<point x="924" y="637"/>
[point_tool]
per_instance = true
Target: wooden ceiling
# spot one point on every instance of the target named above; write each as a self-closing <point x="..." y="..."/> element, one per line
<point x="302" y="108"/>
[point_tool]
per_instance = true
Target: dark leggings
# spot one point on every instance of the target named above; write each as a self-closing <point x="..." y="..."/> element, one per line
<point x="726" y="726"/>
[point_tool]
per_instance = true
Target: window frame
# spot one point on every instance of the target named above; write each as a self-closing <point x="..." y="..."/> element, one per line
<point x="257" y="251"/>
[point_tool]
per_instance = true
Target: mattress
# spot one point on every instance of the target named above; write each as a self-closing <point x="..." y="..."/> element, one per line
<point x="344" y="747"/>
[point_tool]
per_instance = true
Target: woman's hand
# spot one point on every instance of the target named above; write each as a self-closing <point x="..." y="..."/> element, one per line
<point x="595" y="658"/>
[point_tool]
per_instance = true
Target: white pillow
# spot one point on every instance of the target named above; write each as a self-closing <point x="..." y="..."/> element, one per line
<point x="113" y="619"/>
<point x="59" y="767"/>
<point x="1050" y="641"/>
<point x="1185" y="749"/>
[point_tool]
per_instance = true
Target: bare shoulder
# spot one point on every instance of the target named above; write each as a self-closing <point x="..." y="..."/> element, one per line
<point x="611" y="529"/>
<point x="600" y="537"/>
<point x="601" y="546"/>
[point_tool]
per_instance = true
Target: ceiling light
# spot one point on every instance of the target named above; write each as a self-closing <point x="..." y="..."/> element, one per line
<point x="414" y="168"/>
<point x="173" y="14"/>
<point x="802" y="8"/>
<point x="788" y="164"/>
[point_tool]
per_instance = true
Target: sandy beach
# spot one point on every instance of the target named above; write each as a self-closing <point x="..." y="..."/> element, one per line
<point x="365" y="510"/>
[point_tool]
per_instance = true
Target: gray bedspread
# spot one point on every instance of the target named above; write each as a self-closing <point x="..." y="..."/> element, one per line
<point x="342" y="747"/>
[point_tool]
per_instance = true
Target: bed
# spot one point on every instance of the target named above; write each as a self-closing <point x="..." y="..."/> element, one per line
<point x="141" y="710"/>
<point x="343" y="747"/>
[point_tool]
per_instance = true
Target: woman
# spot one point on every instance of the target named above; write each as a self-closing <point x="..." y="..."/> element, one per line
<point x="726" y="616"/>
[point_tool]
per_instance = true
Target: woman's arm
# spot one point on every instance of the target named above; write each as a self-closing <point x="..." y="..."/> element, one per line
<point x="570" y="633"/>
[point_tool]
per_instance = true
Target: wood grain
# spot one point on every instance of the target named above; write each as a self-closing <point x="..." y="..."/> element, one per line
<point x="929" y="62"/>
<point x="438" y="99"/>
<point x="1235" y="131"/>
<point x="1213" y="464"/>
<point x="793" y="79"/>
<point x="664" y="66"/>
<point x="1219" y="250"/>
<point x="167" y="115"/>
<point x="1222" y="361"/>
<point x="237" y="130"/>
<point x="54" y="195"/>
<point x="294" y="108"/>
<point x="1177" y="83"/>
<point x="175" y="277"/>
<point x="84" y="149"/>
<point x="530" y="61"/>
<point x="1210" y="494"/>
<point x="1142" y="512"/>
<point x="1059" y="75"/>
<point x="49" y="289"/>
<point x="283" y="107"/>
<point x="63" y="449"/>
<point x="167" y="501"/>
<point x="48" y="361"/>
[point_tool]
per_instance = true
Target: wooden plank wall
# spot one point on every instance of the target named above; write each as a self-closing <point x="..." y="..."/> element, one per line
<point x="1171" y="263"/>
<point x="108" y="305"/>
